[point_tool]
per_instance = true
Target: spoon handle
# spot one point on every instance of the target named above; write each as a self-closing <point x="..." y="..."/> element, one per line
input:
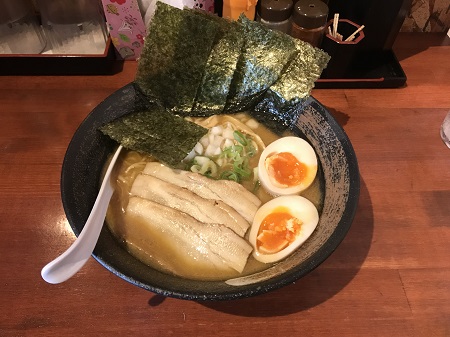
<point x="67" y="264"/>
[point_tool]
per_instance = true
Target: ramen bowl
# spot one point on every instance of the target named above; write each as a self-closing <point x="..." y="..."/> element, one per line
<point x="89" y="149"/>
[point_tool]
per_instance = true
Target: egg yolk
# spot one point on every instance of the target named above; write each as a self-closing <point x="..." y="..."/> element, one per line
<point x="278" y="230"/>
<point x="285" y="169"/>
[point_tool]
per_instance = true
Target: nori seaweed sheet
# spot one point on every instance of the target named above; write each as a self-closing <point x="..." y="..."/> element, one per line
<point x="191" y="57"/>
<point x="174" y="56"/>
<point x="219" y="70"/>
<point x="281" y="103"/>
<point x="265" y="54"/>
<point x="299" y="77"/>
<point x="156" y="131"/>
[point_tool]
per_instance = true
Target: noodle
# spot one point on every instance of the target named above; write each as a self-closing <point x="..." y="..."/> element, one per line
<point x="144" y="245"/>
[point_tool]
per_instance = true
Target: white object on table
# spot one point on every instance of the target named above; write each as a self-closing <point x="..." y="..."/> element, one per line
<point x="70" y="262"/>
<point x="445" y="130"/>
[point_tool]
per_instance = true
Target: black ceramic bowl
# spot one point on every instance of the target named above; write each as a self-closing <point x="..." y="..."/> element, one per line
<point x="89" y="149"/>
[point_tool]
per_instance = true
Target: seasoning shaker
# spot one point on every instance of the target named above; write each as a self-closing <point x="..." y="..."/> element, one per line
<point x="309" y="20"/>
<point x="20" y="29"/>
<point x="276" y="14"/>
<point x="232" y="9"/>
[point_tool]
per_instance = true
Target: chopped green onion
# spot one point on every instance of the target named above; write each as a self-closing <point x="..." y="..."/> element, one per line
<point x="256" y="186"/>
<point x="233" y="160"/>
<point x="251" y="150"/>
<point x="204" y="166"/>
<point x="239" y="136"/>
<point x="242" y="172"/>
<point x="230" y="175"/>
<point x="195" y="168"/>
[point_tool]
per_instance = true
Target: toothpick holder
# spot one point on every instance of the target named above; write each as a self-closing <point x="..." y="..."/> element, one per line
<point x="343" y="52"/>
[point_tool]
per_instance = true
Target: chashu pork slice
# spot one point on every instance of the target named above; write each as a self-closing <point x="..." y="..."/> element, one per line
<point x="184" y="200"/>
<point x="230" y="192"/>
<point x="213" y="244"/>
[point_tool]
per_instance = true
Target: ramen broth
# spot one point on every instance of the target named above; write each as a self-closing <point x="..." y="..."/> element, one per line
<point x="156" y="250"/>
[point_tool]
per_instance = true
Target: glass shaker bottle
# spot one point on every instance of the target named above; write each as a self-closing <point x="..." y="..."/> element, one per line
<point x="309" y="21"/>
<point x="74" y="26"/>
<point x="276" y="14"/>
<point x="20" y="30"/>
<point x="232" y="9"/>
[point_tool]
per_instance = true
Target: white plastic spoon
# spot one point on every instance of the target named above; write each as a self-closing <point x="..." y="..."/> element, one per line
<point x="67" y="264"/>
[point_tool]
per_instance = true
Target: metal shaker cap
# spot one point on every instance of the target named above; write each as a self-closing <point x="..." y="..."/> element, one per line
<point x="310" y="14"/>
<point x="276" y="10"/>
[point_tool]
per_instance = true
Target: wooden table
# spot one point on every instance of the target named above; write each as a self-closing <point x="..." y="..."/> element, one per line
<point x="389" y="277"/>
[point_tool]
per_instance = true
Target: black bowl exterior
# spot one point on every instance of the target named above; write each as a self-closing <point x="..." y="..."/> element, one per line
<point x="80" y="180"/>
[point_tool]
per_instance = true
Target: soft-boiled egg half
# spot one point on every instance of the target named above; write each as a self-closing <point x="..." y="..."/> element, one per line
<point x="287" y="166"/>
<point x="282" y="225"/>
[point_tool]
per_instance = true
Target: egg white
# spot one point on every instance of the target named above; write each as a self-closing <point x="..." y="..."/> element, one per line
<point x="304" y="153"/>
<point x="300" y="208"/>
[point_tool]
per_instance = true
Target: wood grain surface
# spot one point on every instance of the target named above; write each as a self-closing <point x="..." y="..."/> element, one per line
<point x="389" y="277"/>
